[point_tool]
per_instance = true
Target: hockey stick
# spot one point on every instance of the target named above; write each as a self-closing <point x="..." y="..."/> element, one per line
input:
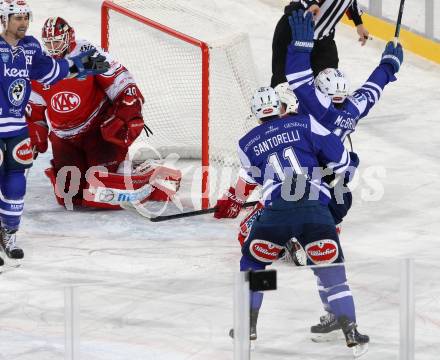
<point x="194" y="213"/>
<point x="399" y="22"/>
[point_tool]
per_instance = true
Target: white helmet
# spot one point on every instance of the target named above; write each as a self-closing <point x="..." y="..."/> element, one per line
<point x="287" y="97"/>
<point x="332" y="82"/>
<point x="10" y="7"/>
<point x="265" y="102"/>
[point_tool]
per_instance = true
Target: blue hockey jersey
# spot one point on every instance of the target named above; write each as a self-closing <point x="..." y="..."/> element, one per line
<point x="20" y="64"/>
<point x="286" y="156"/>
<point x="342" y="121"/>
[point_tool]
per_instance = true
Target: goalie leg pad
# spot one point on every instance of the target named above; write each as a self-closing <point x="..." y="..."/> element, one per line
<point x="109" y="190"/>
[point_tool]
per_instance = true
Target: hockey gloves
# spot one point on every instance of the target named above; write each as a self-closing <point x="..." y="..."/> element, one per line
<point x="229" y="205"/>
<point x="126" y="123"/>
<point x="88" y="63"/>
<point x="38" y="132"/>
<point x="302" y="31"/>
<point x="392" y="56"/>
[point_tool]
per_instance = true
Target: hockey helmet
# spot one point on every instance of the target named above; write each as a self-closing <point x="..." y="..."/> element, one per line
<point x="11" y="7"/>
<point x="333" y="83"/>
<point x="58" y="36"/>
<point x="287" y="97"/>
<point x="265" y="102"/>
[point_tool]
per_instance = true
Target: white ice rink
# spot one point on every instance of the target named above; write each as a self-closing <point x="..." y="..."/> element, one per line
<point x="163" y="291"/>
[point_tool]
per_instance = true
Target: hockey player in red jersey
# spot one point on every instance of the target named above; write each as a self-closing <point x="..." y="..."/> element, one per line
<point x="90" y="123"/>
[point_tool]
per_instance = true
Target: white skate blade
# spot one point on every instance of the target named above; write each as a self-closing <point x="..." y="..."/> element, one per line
<point x="328" y="337"/>
<point x="360" y="350"/>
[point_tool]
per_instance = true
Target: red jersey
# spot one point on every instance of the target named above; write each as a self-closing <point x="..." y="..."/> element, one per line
<point x="71" y="106"/>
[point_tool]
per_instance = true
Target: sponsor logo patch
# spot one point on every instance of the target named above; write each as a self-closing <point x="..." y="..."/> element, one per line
<point x="22" y="152"/>
<point x="322" y="251"/>
<point x="5" y="57"/>
<point x="14" y="72"/>
<point x="106" y="195"/>
<point x="65" y="101"/>
<point x="16" y="92"/>
<point x="264" y="251"/>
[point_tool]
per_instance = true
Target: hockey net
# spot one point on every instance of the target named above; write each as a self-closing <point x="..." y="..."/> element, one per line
<point x="197" y="77"/>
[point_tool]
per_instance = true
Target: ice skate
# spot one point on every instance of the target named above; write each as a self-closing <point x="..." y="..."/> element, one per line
<point x="9" y="245"/>
<point x="327" y="329"/>
<point x="253" y="326"/>
<point x="354" y="339"/>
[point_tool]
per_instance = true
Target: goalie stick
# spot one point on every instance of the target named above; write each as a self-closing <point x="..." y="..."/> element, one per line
<point x="399" y="22"/>
<point x="194" y="213"/>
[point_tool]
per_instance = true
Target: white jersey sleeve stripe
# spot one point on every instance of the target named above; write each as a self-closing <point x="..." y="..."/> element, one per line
<point x="296" y="84"/>
<point x="52" y="75"/>
<point x="341" y="166"/>
<point x="242" y="173"/>
<point x="317" y="128"/>
<point x="298" y="75"/>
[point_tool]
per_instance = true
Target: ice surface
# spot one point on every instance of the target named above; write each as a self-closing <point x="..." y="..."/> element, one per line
<point x="164" y="290"/>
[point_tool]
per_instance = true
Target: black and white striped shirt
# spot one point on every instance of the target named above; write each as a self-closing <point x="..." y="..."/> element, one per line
<point x="330" y="14"/>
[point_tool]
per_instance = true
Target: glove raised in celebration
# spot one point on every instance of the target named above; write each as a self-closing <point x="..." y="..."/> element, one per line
<point x="87" y="63"/>
<point x="392" y="55"/>
<point x="302" y="28"/>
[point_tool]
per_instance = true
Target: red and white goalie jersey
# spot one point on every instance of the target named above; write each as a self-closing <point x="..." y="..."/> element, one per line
<point x="72" y="106"/>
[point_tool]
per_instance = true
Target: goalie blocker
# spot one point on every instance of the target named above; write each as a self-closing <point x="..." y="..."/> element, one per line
<point x="106" y="190"/>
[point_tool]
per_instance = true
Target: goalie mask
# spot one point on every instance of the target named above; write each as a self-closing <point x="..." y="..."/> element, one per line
<point x="58" y="36"/>
<point x="12" y="7"/>
<point x="265" y="102"/>
<point x="287" y="97"/>
<point x="332" y="82"/>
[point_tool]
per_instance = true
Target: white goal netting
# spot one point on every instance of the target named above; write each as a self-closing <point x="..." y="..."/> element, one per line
<point x="169" y="72"/>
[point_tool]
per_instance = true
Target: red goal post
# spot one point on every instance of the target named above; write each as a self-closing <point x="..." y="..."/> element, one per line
<point x="212" y="148"/>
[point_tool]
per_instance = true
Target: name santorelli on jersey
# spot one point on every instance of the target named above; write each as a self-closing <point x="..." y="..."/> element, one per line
<point x="272" y="142"/>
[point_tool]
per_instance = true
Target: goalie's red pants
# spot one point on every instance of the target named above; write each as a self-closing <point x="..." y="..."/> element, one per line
<point x="84" y="151"/>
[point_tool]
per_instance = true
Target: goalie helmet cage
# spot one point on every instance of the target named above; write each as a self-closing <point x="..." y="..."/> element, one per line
<point x="196" y="92"/>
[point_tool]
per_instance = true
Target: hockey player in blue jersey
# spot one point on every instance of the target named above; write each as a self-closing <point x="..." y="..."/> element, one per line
<point x="286" y="157"/>
<point x="327" y="98"/>
<point x="22" y="60"/>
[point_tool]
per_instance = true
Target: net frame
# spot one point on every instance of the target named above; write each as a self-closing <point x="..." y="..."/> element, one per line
<point x="106" y="7"/>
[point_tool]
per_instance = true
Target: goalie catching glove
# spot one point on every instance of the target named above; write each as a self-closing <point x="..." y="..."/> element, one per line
<point x="126" y="124"/>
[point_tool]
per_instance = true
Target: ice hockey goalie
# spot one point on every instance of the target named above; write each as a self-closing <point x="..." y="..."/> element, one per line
<point x="90" y="123"/>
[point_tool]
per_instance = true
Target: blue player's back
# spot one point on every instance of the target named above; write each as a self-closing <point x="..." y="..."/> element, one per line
<point x="282" y="152"/>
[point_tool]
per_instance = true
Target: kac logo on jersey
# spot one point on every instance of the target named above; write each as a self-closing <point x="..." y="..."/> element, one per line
<point x="22" y="152"/>
<point x="65" y="101"/>
<point x="16" y="92"/>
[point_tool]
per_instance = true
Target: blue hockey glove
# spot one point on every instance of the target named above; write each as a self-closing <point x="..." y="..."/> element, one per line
<point x="393" y="56"/>
<point x="302" y="30"/>
<point x="88" y="63"/>
<point x="354" y="163"/>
